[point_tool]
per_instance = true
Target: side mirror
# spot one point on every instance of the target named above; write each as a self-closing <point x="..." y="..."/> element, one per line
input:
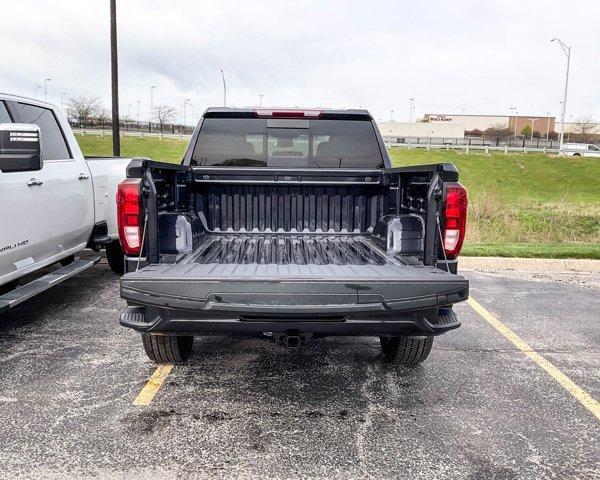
<point x="20" y="147"/>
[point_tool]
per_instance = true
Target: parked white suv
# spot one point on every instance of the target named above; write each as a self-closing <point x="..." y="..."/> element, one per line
<point x="53" y="201"/>
<point x="581" y="150"/>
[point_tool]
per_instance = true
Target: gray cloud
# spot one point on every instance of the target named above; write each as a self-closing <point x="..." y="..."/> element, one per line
<point x="481" y="56"/>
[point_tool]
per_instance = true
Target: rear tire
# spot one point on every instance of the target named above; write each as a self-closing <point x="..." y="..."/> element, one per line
<point x="167" y="348"/>
<point x="405" y="350"/>
<point x="115" y="257"/>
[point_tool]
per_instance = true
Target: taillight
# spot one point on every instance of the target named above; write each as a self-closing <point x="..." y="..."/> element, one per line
<point x="287" y="113"/>
<point x="128" y="216"/>
<point x="455" y="218"/>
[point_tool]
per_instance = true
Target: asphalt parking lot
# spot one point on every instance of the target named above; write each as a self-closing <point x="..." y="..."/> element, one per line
<point x="243" y="407"/>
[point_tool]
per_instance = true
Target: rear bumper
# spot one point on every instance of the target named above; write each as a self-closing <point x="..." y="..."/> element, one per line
<point x="433" y="321"/>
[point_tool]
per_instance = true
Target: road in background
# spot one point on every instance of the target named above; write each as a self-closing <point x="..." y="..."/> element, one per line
<point x="478" y="408"/>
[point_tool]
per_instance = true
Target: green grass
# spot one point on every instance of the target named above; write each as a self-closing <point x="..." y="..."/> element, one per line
<point x="517" y="178"/>
<point x="167" y="150"/>
<point x="523" y="205"/>
<point x="533" y="250"/>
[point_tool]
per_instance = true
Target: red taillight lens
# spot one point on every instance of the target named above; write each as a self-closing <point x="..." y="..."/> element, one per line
<point x="455" y="223"/>
<point x="287" y="113"/>
<point x="128" y="216"/>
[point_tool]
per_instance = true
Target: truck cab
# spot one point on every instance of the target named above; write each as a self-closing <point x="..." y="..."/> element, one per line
<point x="54" y="202"/>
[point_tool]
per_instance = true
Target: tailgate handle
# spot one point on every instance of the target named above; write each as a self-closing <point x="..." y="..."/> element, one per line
<point x="249" y="308"/>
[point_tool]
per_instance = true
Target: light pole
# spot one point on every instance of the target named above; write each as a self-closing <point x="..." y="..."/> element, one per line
<point x="138" y="113"/>
<point x="392" y="115"/>
<point x="532" y="120"/>
<point x="410" y="112"/>
<point x="513" y="109"/>
<point x="185" y="102"/>
<point x="224" y="88"/>
<point x="567" y="51"/>
<point x="548" y="127"/>
<point x="152" y="87"/>
<point x="46" y="80"/>
<point x="516" y="119"/>
<point x="260" y="95"/>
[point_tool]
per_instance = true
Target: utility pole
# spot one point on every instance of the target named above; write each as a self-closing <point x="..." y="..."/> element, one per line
<point x="224" y="88"/>
<point x="410" y="112"/>
<point x="114" y="71"/>
<point x="567" y="51"/>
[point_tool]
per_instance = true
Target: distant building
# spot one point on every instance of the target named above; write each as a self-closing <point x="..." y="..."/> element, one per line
<point x="483" y="122"/>
<point x="394" y="130"/>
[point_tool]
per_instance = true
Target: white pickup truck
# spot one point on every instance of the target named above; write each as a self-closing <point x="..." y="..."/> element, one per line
<point x="53" y="202"/>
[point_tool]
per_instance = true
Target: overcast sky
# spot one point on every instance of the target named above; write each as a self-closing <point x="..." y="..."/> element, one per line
<point x="483" y="56"/>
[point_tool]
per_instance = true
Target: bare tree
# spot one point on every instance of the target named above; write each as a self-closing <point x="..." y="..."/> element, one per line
<point x="498" y="132"/>
<point x="583" y="129"/>
<point x="83" y="108"/>
<point x="163" y="114"/>
<point x="103" y="117"/>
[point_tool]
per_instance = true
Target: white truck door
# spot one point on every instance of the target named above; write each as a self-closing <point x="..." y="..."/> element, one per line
<point x="65" y="199"/>
<point x="21" y="242"/>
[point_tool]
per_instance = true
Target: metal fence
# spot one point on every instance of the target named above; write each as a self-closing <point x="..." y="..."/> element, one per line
<point x="145" y="127"/>
<point x="536" y="143"/>
<point x="473" y="148"/>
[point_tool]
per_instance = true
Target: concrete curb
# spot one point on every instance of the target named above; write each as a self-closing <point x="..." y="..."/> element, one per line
<point x="529" y="264"/>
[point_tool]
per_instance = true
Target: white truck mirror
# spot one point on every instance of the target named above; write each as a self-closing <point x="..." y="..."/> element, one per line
<point x="20" y="147"/>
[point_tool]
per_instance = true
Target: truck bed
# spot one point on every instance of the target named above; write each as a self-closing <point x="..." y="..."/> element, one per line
<point x="292" y="273"/>
<point x="288" y="249"/>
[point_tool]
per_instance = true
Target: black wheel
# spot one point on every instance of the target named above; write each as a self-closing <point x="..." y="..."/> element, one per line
<point x="67" y="261"/>
<point x="115" y="257"/>
<point x="167" y="348"/>
<point x="577" y="154"/>
<point x="405" y="350"/>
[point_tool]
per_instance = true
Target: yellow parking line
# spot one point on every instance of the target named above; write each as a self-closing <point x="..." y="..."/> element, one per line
<point x="152" y="386"/>
<point x="581" y="395"/>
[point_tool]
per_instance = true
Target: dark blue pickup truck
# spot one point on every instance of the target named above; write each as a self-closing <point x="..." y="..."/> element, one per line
<point x="292" y="223"/>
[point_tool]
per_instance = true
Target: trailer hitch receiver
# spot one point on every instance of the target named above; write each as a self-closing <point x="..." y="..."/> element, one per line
<point x="293" y="341"/>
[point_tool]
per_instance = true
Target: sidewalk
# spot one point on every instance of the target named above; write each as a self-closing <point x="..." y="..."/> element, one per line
<point x="529" y="264"/>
